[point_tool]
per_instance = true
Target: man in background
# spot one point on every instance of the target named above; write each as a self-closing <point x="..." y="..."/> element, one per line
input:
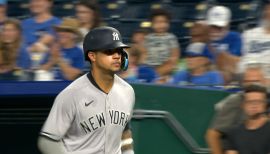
<point x="229" y="113"/>
<point x="252" y="136"/>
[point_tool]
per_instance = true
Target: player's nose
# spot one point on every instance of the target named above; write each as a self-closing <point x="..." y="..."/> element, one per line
<point x="116" y="55"/>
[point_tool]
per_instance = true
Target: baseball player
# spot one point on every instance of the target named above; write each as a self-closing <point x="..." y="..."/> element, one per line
<point x="90" y="115"/>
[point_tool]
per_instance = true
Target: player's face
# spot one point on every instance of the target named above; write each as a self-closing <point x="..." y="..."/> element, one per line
<point x="40" y="6"/>
<point x="109" y="60"/>
<point x="160" y="24"/>
<point x="84" y="14"/>
<point x="10" y="33"/>
<point x="254" y="103"/>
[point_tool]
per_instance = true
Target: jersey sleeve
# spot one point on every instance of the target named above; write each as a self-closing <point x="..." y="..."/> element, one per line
<point x="60" y="117"/>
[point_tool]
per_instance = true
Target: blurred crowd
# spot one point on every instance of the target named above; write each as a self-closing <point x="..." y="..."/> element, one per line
<point x="44" y="47"/>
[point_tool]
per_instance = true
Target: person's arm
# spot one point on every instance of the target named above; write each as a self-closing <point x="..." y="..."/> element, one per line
<point x="49" y="146"/>
<point x="213" y="139"/>
<point x="167" y="67"/>
<point x="69" y="72"/>
<point x="231" y="152"/>
<point x="59" y="120"/>
<point x="227" y="113"/>
<point x="127" y="141"/>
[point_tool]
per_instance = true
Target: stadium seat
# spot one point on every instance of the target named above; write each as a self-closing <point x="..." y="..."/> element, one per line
<point x="63" y="8"/>
<point x="18" y="9"/>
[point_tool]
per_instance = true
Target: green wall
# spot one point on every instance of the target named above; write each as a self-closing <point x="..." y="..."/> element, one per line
<point x="193" y="108"/>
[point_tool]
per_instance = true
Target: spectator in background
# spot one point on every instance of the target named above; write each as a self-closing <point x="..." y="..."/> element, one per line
<point x="13" y="56"/>
<point x="252" y="136"/>
<point x="38" y="31"/>
<point x="161" y="47"/>
<point x="66" y="58"/>
<point x="198" y="68"/>
<point x="228" y="111"/>
<point x="199" y="32"/>
<point x="3" y="11"/>
<point x="131" y="75"/>
<point x="225" y="45"/>
<point x="137" y="43"/>
<point x="256" y="42"/>
<point x="87" y="13"/>
<point x="137" y="71"/>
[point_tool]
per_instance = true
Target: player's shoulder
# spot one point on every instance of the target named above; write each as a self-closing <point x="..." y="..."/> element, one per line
<point x="123" y="84"/>
<point x="75" y="87"/>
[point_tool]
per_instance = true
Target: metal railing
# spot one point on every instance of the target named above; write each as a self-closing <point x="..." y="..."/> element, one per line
<point x="175" y="125"/>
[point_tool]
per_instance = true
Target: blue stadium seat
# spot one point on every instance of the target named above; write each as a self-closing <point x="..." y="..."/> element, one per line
<point x="182" y="11"/>
<point x="63" y="8"/>
<point x="136" y="10"/>
<point x="17" y="9"/>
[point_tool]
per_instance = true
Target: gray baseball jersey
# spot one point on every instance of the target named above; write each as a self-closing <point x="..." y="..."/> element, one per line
<point x="89" y="121"/>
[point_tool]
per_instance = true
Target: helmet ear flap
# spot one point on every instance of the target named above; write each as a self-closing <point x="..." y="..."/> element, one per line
<point x="124" y="61"/>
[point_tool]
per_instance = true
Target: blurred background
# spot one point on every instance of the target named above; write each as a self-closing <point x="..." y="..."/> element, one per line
<point x="185" y="57"/>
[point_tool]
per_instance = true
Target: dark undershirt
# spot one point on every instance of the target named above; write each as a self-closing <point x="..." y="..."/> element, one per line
<point x="250" y="141"/>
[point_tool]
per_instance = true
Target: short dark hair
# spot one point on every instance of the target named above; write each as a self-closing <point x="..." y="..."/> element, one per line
<point x="160" y="12"/>
<point x="92" y="5"/>
<point x="255" y="88"/>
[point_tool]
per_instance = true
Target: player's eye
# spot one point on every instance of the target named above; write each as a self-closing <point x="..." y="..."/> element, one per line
<point x="112" y="51"/>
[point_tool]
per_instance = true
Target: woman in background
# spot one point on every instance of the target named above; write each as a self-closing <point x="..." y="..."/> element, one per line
<point x="13" y="56"/>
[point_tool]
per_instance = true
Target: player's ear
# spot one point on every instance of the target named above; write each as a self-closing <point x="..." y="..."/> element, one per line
<point x="92" y="56"/>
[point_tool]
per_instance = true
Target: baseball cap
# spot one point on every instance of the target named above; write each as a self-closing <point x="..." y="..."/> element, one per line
<point x="218" y="16"/>
<point x="3" y="2"/>
<point x="197" y="49"/>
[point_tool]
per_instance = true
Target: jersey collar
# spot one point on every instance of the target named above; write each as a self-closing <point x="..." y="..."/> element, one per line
<point x="92" y="80"/>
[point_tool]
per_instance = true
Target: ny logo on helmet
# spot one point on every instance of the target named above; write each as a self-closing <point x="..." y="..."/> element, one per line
<point x="115" y="36"/>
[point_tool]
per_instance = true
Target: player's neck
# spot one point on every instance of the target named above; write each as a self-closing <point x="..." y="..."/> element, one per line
<point x="103" y="80"/>
<point x="252" y="124"/>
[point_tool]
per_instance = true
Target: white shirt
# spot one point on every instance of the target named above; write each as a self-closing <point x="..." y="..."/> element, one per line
<point x="256" y="48"/>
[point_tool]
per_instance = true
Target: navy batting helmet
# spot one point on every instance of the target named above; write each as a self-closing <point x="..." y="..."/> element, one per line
<point x="104" y="38"/>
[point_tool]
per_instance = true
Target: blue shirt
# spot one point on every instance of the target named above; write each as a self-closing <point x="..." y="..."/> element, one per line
<point x="73" y="56"/>
<point x="231" y="43"/>
<point x="32" y="31"/>
<point x="23" y="59"/>
<point x="208" y="78"/>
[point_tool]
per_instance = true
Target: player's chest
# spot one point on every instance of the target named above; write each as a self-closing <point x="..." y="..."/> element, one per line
<point x="95" y="111"/>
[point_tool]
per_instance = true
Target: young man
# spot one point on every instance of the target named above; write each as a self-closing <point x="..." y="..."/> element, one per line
<point x="253" y="136"/>
<point x="229" y="113"/>
<point x="225" y="45"/>
<point x="89" y="116"/>
<point x="65" y="60"/>
<point x="198" y="68"/>
<point x="38" y="33"/>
